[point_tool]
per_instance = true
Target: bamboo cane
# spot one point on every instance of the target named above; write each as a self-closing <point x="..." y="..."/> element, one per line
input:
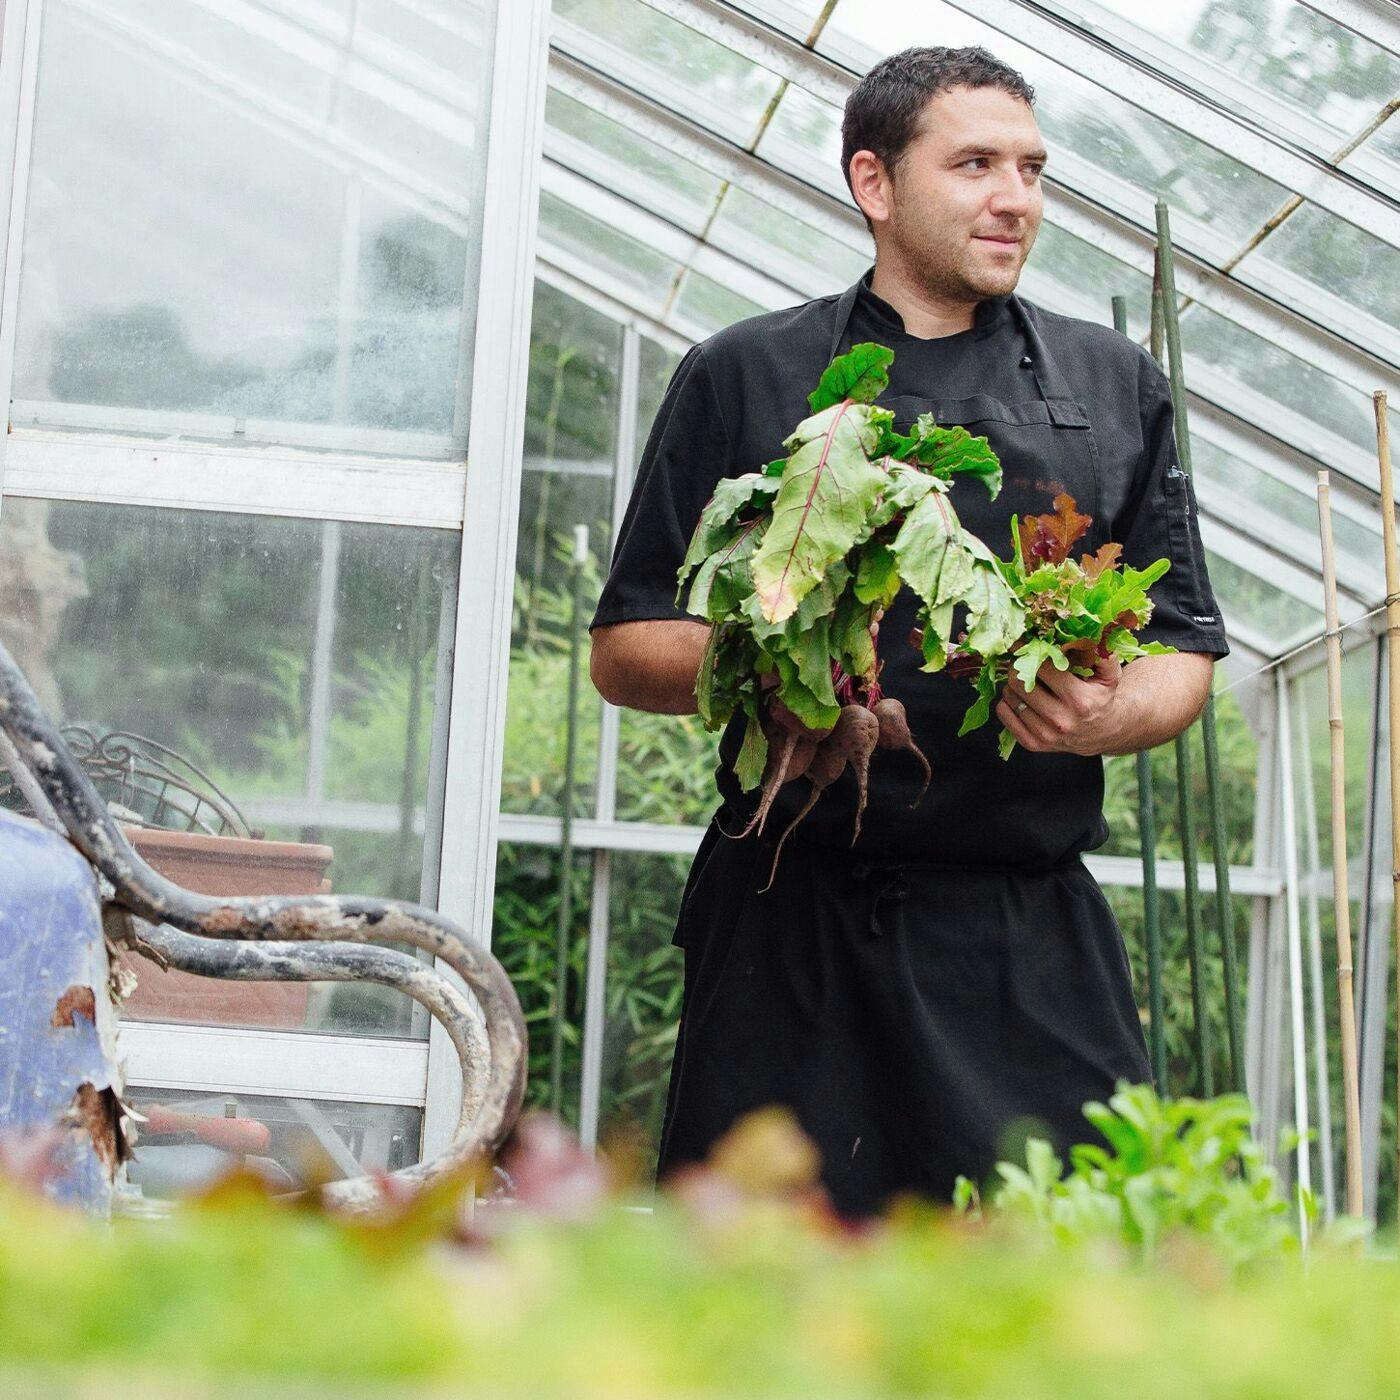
<point x="1341" y="898"/>
<point x="1191" y="898"/>
<point x="1147" y="830"/>
<point x="1392" y="648"/>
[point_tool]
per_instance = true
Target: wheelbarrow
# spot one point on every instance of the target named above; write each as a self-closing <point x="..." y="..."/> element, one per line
<point x="72" y="888"/>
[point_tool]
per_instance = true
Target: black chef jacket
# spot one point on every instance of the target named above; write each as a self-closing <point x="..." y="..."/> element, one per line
<point x="957" y="973"/>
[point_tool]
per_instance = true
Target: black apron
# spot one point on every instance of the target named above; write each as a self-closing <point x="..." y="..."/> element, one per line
<point x="923" y="1000"/>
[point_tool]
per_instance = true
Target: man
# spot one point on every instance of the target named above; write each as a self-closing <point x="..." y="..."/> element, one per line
<point x="957" y="974"/>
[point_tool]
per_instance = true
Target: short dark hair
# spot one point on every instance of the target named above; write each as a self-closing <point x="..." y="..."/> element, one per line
<point x="882" y="114"/>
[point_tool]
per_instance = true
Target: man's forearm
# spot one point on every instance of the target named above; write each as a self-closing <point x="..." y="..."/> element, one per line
<point x="1158" y="697"/>
<point x="649" y="665"/>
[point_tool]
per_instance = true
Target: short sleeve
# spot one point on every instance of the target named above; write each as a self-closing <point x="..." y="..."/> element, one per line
<point x="1159" y="519"/>
<point x="687" y="452"/>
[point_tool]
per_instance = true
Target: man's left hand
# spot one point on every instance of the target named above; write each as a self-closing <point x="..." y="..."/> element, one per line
<point x="1065" y="713"/>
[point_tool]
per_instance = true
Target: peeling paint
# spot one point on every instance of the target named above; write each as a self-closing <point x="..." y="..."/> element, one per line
<point x="78" y="1000"/>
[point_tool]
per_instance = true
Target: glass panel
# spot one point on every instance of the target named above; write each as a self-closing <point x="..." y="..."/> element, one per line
<point x="656" y="365"/>
<point x="294" y="662"/>
<point x="571" y="423"/>
<point x="673" y="63"/>
<point x="1375" y="967"/>
<point x="1127" y="904"/>
<point x="1340" y="258"/>
<point x="1239" y="763"/>
<point x="707" y="306"/>
<point x="665" y="763"/>
<point x="524" y="936"/>
<point x="1281" y="379"/>
<point x="603" y="255"/>
<point x="1252" y="490"/>
<point x="1311" y="761"/>
<point x="1286" y="51"/>
<point x="194" y="1137"/>
<point x="1256" y="603"/>
<point x="1075" y="114"/>
<point x="158" y="294"/>
<point x="617" y="158"/>
<point x="665" y="769"/>
<point x="643" y="1002"/>
<point x="780" y="244"/>
<point x="1062" y="265"/>
<point x="804" y="136"/>
<point x="795" y="17"/>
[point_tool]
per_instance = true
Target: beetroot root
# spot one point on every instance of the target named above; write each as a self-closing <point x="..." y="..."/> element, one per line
<point x="855" y="736"/>
<point x="850" y="743"/>
<point x="789" y="753"/>
<point x="894" y="734"/>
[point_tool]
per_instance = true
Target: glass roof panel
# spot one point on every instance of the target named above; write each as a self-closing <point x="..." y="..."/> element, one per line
<point x="1120" y="142"/>
<point x="710" y="307"/>
<point x="795" y="17"/>
<point x="1255" y="602"/>
<point x="1281" y="50"/>
<point x="759" y="232"/>
<point x="1241" y="491"/>
<point x="1062" y="266"/>
<point x="675" y="65"/>
<point x="1296" y="400"/>
<point x="613" y="156"/>
<point x="804" y="136"/>
<point x="609" y="256"/>
<point x="1346" y="263"/>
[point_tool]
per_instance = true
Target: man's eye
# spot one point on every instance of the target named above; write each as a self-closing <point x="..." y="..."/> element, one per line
<point x="976" y="160"/>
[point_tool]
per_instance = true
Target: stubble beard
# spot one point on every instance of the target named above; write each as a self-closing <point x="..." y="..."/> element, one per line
<point x="947" y="270"/>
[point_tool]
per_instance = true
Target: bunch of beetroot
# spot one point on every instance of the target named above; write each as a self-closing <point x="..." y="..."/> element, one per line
<point x="794" y="564"/>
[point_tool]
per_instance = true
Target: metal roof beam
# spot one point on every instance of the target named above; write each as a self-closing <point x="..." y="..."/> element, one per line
<point x="1137" y="83"/>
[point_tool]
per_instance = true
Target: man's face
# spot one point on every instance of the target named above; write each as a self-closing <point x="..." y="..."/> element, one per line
<point x="963" y="205"/>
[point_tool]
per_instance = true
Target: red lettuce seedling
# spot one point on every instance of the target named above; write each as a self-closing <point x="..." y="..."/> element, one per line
<point x="1075" y="611"/>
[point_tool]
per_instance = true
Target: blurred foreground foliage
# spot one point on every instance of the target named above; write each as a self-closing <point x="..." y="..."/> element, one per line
<point x="1164" y="1264"/>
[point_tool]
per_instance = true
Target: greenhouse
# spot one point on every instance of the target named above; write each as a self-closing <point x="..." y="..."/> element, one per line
<point x="334" y="331"/>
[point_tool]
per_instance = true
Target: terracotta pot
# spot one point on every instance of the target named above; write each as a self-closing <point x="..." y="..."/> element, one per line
<point x="223" y="865"/>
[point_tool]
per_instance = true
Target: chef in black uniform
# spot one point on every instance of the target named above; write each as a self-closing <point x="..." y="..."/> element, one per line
<point x="921" y="997"/>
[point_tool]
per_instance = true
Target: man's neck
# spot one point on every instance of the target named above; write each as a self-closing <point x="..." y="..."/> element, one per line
<point x="923" y="313"/>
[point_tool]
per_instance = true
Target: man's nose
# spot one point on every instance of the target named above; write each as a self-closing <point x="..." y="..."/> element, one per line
<point x="1012" y="197"/>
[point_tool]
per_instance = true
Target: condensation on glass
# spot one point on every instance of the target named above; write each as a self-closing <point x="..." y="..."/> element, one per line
<point x="296" y="663"/>
<point x="254" y="227"/>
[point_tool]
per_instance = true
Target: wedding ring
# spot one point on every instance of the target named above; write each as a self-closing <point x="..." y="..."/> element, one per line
<point x="1022" y="705"/>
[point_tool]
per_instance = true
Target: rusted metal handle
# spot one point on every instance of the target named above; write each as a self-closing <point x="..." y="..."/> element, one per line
<point x="279" y="923"/>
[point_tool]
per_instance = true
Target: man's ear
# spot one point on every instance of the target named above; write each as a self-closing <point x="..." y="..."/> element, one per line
<point x="872" y="186"/>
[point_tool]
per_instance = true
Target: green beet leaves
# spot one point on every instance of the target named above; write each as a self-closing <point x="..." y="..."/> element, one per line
<point x="792" y="563"/>
<point x="859" y="376"/>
